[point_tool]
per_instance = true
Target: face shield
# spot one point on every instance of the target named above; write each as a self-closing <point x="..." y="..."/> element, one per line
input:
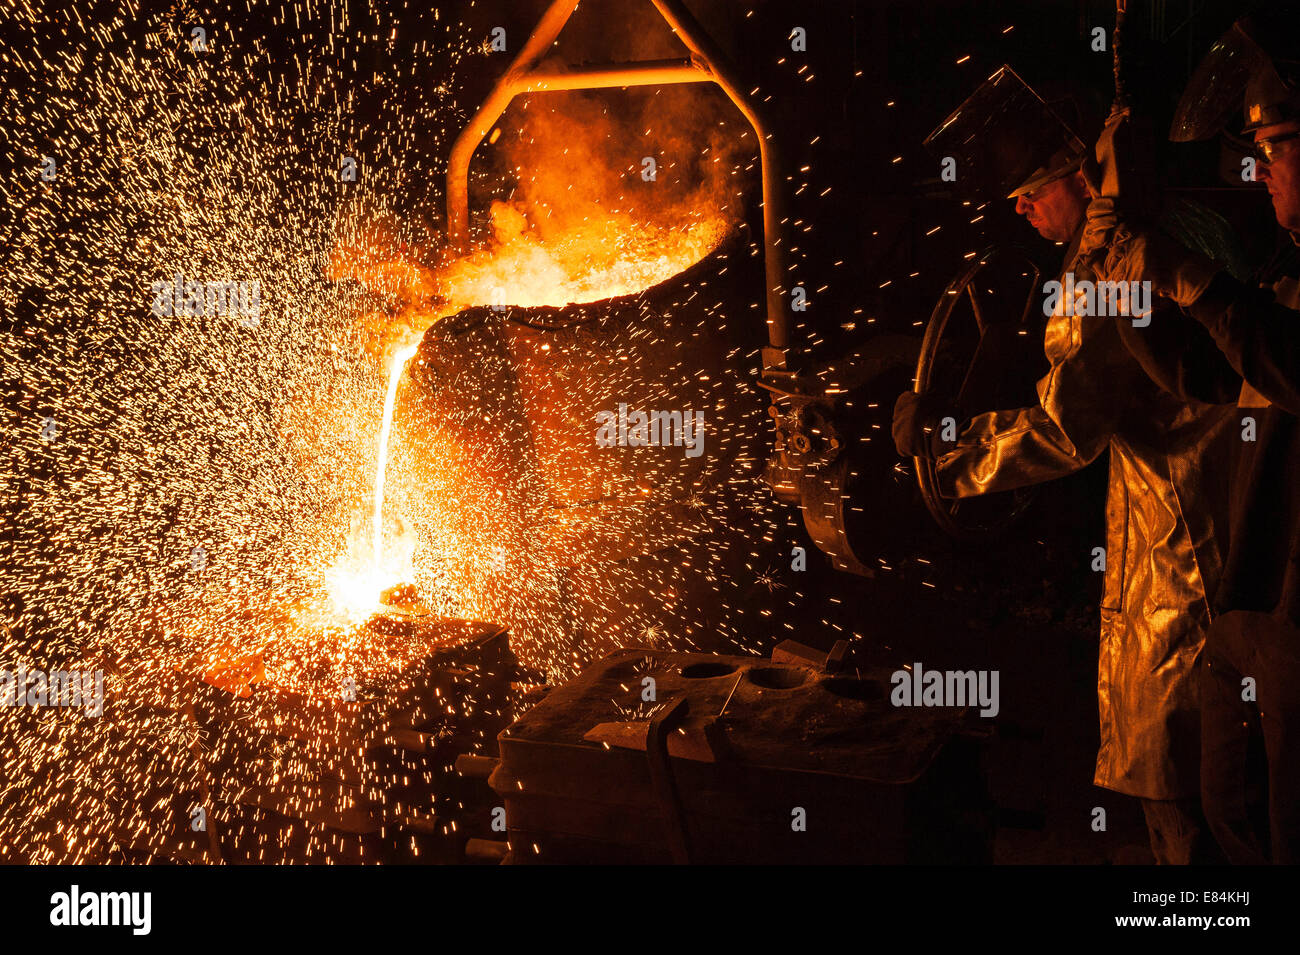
<point x="1006" y="140"/>
<point x="1244" y="66"/>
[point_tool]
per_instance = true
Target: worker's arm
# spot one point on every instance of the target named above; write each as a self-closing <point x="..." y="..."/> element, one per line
<point x="1091" y="383"/>
<point x="1259" y="337"/>
<point x="1181" y="357"/>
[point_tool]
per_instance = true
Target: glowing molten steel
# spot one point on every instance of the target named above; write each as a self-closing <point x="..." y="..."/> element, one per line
<point x="357" y="583"/>
<point x="394" y="376"/>
<point x="603" y="257"/>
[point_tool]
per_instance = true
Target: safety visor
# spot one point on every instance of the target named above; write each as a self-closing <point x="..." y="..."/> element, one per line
<point x="1005" y="139"/>
<point x="1218" y="86"/>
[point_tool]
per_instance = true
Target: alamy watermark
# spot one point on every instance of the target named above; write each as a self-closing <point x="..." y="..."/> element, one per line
<point x="652" y="429"/>
<point x="917" y="687"/>
<point x="131" y="909"/>
<point x="210" y="299"/>
<point x="24" y="687"/>
<point x="1110" y="299"/>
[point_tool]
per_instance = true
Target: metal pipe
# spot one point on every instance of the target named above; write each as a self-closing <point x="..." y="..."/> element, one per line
<point x="650" y="73"/>
<point x="476" y="767"/>
<point x="543" y="35"/>
<point x="486" y="850"/>
<point x="701" y="45"/>
<point x="706" y="64"/>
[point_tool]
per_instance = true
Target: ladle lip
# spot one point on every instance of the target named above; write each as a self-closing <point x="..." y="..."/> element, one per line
<point x="577" y="313"/>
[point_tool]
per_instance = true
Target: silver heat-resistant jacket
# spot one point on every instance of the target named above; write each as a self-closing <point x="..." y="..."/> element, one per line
<point x="1164" y="499"/>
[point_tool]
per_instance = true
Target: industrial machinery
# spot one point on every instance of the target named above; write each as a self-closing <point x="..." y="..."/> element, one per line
<point x="654" y="757"/>
<point x="989" y="361"/>
<point x="808" y="468"/>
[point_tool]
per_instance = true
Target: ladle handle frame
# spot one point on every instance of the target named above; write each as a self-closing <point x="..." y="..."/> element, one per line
<point x="706" y="64"/>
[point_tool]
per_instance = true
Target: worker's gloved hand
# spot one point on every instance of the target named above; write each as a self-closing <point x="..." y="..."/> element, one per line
<point x="1114" y="174"/>
<point x="918" y="425"/>
<point x="1115" y="183"/>
<point x="1149" y="255"/>
<point x="1104" y="175"/>
<point x="1099" y="228"/>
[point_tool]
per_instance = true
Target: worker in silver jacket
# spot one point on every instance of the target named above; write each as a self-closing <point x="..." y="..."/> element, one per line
<point x="1162" y="555"/>
<point x="1250" y="673"/>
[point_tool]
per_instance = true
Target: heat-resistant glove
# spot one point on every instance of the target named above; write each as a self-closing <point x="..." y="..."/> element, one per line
<point x="918" y="425"/>
<point x="1120" y="181"/>
<point x="1105" y="178"/>
<point x="1150" y="255"/>
<point x="1099" y="228"/>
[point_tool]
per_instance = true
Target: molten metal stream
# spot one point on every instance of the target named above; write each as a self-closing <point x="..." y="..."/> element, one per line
<point x="394" y="376"/>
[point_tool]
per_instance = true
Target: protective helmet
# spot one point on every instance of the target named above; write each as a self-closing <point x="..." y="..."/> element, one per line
<point x="1006" y="140"/>
<point x="1255" y="64"/>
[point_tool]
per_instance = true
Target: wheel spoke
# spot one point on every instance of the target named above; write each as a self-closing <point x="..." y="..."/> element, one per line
<point x="975" y="307"/>
<point x="1029" y="298"/>
<point x="970" y="370"/>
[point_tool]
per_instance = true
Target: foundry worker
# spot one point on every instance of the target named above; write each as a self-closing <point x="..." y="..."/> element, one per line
<point x="1162" y="557"/>
<point x="1250" y="674"/>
